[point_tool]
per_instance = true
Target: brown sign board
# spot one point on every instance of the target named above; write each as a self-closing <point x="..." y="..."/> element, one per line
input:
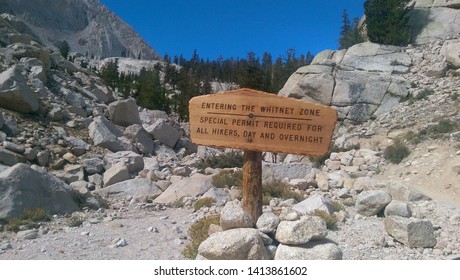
<point x="252" y="120"/>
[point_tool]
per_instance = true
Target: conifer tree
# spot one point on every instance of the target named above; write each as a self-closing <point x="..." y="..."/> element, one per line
<point x="350" y="33"/>
<point x="386" y="21"/>
<point x="110" y="74"/>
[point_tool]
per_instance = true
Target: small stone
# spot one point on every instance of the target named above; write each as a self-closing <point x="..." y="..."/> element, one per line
<point x="153" y="229"/>
<point x="121" y="243"/>
<point x="27" y="234"/>
<point x="177" y="229"/>
<point x="71" y="158"/>
<point x="6" y="246"/>
<point x="84" y="233"/>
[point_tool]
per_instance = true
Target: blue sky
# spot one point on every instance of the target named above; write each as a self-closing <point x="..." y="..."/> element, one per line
<point x="232" y="28"/>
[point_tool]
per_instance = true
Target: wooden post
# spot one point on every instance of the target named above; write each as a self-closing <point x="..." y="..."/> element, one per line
<point x="252" y="184"/>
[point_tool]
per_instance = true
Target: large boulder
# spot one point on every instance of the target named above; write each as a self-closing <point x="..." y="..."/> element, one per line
<point x="193" y="186"/>
<point x="268" y="222"/>
<point x="314" y="250"/>
<point x="10" y="158"/>
<point x="151" y="116"/>
<point x="234" y="244"/>
<point x="124" y="112"/>
<point x="402" y="192"/>
<point x="311" y="83"/>
<point x="398" y="208"/>
<point x="106" y="135"/>
<point x="139" y="188"/>
<point x="451" y="50"/>
<point x="359" y="82"/>
<point x="15" y="94"/>
<point x="434" y="20"/>
<point x="234" y="216"/>
<point x="141" y="139"/>
<point x="164" y="132"/>
<point x="301" y="231"/>
<point x="133" y="161"/>
<point x="116" y="173"/>
<point x="314" y="202"/>
<point x="20" y="50"/>
<point x="23" y="189"/>
<point x="411" y="232"/>
<point x="272" y="171"/>
<point x="369" y="203"/>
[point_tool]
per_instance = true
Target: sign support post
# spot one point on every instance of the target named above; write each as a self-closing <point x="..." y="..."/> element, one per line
<point x="252" y="184"/>
<point x="255" y="122"/>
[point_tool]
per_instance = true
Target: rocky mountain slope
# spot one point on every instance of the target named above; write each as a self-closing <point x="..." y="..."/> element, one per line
<point x="89" y="27"/>
<point x="122" y="182"/>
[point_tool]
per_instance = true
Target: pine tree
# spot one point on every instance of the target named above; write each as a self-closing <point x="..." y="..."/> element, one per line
<point x="110" y="74"/>
<point x="386" y="21"/>
<point x="350" y="33"/>
<point x="345" y="31"/>
<point x="64" y="48"/>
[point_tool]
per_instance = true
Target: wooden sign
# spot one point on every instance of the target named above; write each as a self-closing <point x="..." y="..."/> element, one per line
<point x="257" y="121"/>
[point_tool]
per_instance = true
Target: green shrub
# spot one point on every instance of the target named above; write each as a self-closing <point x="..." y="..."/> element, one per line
<point x="330" y="220"/>
<point x="386" y="21"/>
<point x="228" y="179"/>
<point x="35" y="215"/>
<point x="226" y="160"/>
<point x="409" y="97"/>
<point x="27" y="219"/>
<point x="178" y="203"/>
<point x="198" y="233"/>
<point x="412" y="137"/>
<point x="278" y="189"/>
<point x="76" y="220"/>
<point x="444" y="126"/>
<point x="454" y="96"/>
<point x="15" y="225"/>
<point x="424" y="94"/>
<point x="397" y="152"/>
<point x="337" y="206"/>
<point x="203" y="202"/>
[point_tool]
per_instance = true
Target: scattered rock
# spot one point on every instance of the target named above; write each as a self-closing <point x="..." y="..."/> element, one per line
<point x="312" y="203"/>
<point x="234" y="244"/>
<point x="163" y="131"/>
<point x="301" y="231"/>
<point x="234" y="216"/>
<point x="193" y="186"/>
<point x="370" y="203"/>
<point x="28" y="189"/>
<point x="398" y="208"/>
<point x="124" y="112"/>
<point x="268" y="222"/>
<point x="314" y="250"/>
<point x="411" y="232"/>
<point x="115" y="174"/>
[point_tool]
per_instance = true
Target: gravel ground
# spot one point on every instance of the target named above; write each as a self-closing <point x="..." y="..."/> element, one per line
<point x="145" y="233"/>
<point x="139" y="233"/>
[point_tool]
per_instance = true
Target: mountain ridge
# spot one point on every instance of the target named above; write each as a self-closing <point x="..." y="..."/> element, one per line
<point x="88" y="26"/>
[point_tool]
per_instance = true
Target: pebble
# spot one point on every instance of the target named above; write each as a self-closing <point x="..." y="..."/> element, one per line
<point x="6" y="246"/>
<point x="120" y="243"/>
<point x="153" y="229"/>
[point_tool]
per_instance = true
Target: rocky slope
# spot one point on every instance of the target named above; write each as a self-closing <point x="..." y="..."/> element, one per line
<point x="89" y="27"/>
<point x="121" y="181"/>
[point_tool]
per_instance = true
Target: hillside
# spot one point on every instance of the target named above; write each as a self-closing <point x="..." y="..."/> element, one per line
<point x="88" y="26"/>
